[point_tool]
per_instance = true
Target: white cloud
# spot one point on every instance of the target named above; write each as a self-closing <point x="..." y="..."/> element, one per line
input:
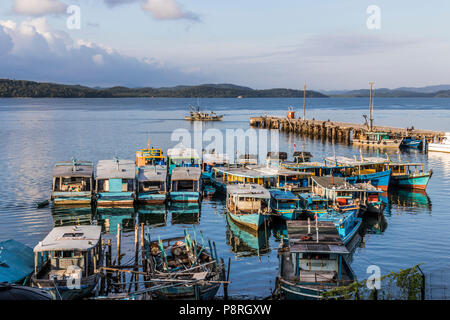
<point x="33" y="50"/>
<point x="38" y="7"/>
<point x="167" y="10"/>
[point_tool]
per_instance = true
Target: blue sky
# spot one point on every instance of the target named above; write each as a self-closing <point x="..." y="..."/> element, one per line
<point x="262" y="44"/>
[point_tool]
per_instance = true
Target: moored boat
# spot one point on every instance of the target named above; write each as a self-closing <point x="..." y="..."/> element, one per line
<point x="152" y="184"/>
<point x="248" y="204"/>
<point x="149" y="156"/>
<point x="197" y="115"/>
<point x="73" y="182"/>
<point x="378" y="140"/>
<point x="116" y="182"/>
<point x="411" y="142"/>
<point x="285" y="205"/>
<point x="313" y="261"/>
<point x="442" y="146"/>
<point x="74" y="257"/>
<point x="409" y="175"/>
<point x="182" y="157"/>
<point x="185" y="184"/>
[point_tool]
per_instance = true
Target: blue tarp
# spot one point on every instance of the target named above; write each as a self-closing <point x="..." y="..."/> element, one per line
<point x="16" y="261"/>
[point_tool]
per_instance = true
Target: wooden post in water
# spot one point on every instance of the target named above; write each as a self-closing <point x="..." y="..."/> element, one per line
<point x="144" y="264"/>
<point x="136" y="255"/>
<point x="304" y="102"/>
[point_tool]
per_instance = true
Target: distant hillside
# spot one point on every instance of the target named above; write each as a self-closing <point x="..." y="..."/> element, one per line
<point x="393" y="93"/>
<point x="31" y="89"/>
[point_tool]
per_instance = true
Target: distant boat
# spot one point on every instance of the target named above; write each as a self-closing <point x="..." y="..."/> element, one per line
<point x="411" y="142"/>
<point x="197" y="115"/>
<point x="443" y="146"/>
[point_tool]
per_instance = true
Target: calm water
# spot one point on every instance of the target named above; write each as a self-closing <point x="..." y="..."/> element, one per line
<point x="35" y="133"/>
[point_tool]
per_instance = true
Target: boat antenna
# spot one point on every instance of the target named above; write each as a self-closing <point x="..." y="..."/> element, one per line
<point x="371" y="106"/>
<point x="317" y="230"/>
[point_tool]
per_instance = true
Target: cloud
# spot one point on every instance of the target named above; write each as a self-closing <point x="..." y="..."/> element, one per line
<point x="38" y="7"/>
<point x="33" y="50"/>
<point x="167" y="10"/>
<point x="113" y="3"/>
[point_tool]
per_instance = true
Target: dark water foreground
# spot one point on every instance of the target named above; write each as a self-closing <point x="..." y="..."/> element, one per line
<point x="35" y="133"/>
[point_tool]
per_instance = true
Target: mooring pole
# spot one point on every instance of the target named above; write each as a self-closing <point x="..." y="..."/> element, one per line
<point x="371" y="107"/>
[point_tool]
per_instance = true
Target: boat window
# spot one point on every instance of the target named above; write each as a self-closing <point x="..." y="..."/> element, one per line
<point x="72" y="235"/>
<point x="149" y="186"/>
<point x="56" y="186"/>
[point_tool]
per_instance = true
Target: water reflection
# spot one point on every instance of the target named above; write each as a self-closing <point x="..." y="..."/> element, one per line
<point x="72" y="215"/>
<point x="404" y="200"/>
<point x="109" y="218"/>
<point x="245" y="241"/>
<point x="374" y="224"/>
<point x="185" y="213"/>
<point x="155" y="215"/>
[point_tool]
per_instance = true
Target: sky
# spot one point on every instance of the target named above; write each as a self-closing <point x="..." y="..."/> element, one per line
<point x="256" y="43"/>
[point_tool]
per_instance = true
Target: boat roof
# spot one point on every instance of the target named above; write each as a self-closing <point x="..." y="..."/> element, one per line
<point x="182" y="152"/>
<point x="341" y="160"/>
<point x="412" y="164"/>
<point x="249" y="190"/>
<point x="277" y="155"/>
<point x="68" y="238"/>
<point x="312" y="196"/>
<point x="302" y="153"/>
<point x="335" y="183"/>
<point x="282" y="195"/>
<point x="186" y="173"/>
<point x="216" y="158"/>
<point x="153" y="173"/>
<point x="300" y="240"/>
<point x="305" y="165"/>
<point x="66" y="169"/>
<point x="367" y="186"/>
<point x="16" y="261"/>
<point x="245" y="172"/>
<point x="117" y="168"/>
<point x="278" y="171"/>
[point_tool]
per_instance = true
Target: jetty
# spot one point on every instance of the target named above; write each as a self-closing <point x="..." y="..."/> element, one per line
<point x="335" y="130"/>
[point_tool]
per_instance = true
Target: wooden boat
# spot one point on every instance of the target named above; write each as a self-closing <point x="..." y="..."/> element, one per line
<point x="197" y="115"/>
<point x="149" y="156"/>
<point x="368" y="169"/>
<point x="16" y="262"/>
<point x="285" y="205"/>
<point x="225" y="176"/>
<point x="409" y="175"/>
<point x="371" y="198"/>
<point x="312" y="205"/>
<point x="152" y="184"/>
<point x="411" y="142"/>
<point x="74" y="256"/>
<point x="312" y="261"/>
<point x="182" y="157"/>
<point x="378" y="140"/>
<point x="185" y="184"/>
<point x="441" y="146"/>
<point x="248" y="204"/>
<point x="212" y="160"/>
<point x="302" y="156"/>
<point x="116" y="182"/>
<point x="73" y="182"/>
<point x="13" y="292"/>
<point x="182" y="269"/>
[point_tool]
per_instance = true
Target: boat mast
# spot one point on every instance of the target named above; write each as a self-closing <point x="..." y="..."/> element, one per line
<point x="371" y="108"/>
<point x="304" y="102"/>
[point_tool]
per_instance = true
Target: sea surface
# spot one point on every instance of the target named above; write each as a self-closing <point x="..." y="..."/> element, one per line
<point x="35" y="133"/>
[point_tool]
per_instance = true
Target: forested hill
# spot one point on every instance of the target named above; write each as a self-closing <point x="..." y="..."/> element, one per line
<point x="31" y="89"/>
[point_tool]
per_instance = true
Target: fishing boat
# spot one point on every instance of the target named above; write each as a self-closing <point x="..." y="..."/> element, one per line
<point x="313" y="261"/>
<point x="224" y="176"/>
<point x="409" y="175"/>
<point x="285" y="205"/>
<point x="371" y="198"/>
<point x="182" y="157"/>
<point x="247" y="158"/>
<point x="411" y="142"/>
<point x="248" y="204"/>
<point x="274" y="159"/>
<point x="367" y="169"/>
<point x="197" y="115"/>
<point x="378" y="140"/>
<point x="116" y="182"/>
<point x="312" y="205"/>
<point x="149" y="156"/>
<point x="302" y="156"/>
<point x="73" y="182"/>
<point x="183" y="269"/>
<point x="74" y="256"/>
<point x="314" y="168"/>
<point x="212" y="160"/>
<point x="152" y="184"/>
<point x="442" y="146"/>
<point x="185" y="184"/>
<point x="16" y="262"/>
<point x="291" y="180"/>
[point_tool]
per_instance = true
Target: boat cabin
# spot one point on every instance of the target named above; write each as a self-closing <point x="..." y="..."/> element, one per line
<point x="73" y="252"/>
<point x="182" y="157"/>
<point x="185" y="184"/>
<point x="152" y="184"/>
<point x="116" y="182"/>
<point x="351" y="167"/>
<point x="73" y="182"/>
<point x="149" y="157"/>
<point x="224" y="176"/>
<point x="285" y="204"/>
<point x="211" y="160"/>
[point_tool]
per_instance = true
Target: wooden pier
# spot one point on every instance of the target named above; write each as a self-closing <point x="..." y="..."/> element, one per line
<point x="339" y="131"/>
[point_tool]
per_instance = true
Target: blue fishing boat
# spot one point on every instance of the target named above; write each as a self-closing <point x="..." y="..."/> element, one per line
<point x="185" y="184"/>
<point x="182" y="157"/>
<point x="152" y="184"/>
<point x="312" y="262"/>
<point x="225" y="176"/>
<point x="312" y="205"/>
<point x="16" y="262"/>
<point x="213" y="160"/>
<point x="171" y="258"/>
<point x="73" y="182"/>
<point x="285" y="205"/>
<point x="74" y="256"/>
<point x="248" y="205"/>
<point x="116" y="182"/>
<point x="411" y="142"/>
<point x="409" y="175"/>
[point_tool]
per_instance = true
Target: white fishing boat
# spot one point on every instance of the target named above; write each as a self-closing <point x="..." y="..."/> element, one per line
<point x="443" y="146"/>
